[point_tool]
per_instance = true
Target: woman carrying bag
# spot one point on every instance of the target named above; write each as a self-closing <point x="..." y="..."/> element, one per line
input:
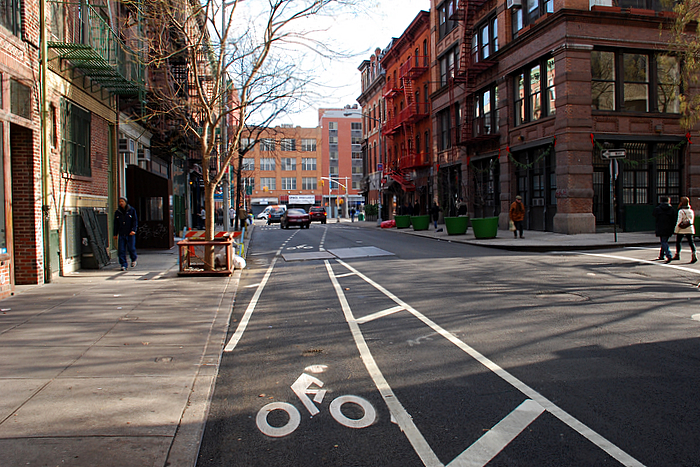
<point x="685" y="228"/>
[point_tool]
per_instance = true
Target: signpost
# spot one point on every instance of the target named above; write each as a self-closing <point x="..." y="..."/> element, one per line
<point x="613" y="155"/>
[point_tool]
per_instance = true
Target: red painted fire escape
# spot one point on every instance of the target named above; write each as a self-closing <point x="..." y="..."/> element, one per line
<point x="404" y="121"/>
<point x="470" y="67"/>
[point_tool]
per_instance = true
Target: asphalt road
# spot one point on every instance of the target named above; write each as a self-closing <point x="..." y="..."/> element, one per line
<point x="435" y="353"/>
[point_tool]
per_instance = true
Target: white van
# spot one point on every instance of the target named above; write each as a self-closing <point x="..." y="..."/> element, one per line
<point x="266" y="211"/>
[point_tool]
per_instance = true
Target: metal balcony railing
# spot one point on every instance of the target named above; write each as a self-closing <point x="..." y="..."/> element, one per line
<point x="82" y="37"/>
<point x="414" y="67"/>
<point x="413" y="160"/>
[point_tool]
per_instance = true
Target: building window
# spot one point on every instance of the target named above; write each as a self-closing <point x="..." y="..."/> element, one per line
<point x="332" y="140"/>
<point x="268" y="182"/>
<point x="529" y="13"/>
<point x="288" y="163"/>
<point x="267" y="163"/>
<point x="333" y="126"/>
<point x="356" y="126"/>
<point x="445" y="24"/>
<point x="308" y="145"/>
<point x="308" y="163"/>
<point x="52" y="123"/>
<point x="289" y="183"/>
<point x="247" y="143"/>
<point x="485" y="40"/>
<point x="486" y="112"/>
<point x="288" y="144"/>
<point x="267" y="144"/>
<point x="448" y="63"/>
<point x="248" y="164"/>
<point x="635" y="82"/>
<point x="357" y="155"/>
<point x="308" y="183"/>
<point x="20" y="99"/>
<point x="76" y="141"/>
<point x="356" y="139"/>
<point x="333" y="155"/>
<point x="528" y="92"/>
<point x="333" y="170"/>
<point x="445" y="128"/>
<point x="11" y="15"/>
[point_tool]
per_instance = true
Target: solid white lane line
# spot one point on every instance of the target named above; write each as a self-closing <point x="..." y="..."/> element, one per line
<point x="492" y="442"/>
<point x="549" y="406"/>
<point x="379" y="314"/>
<point x="398" y="412"/>
<point x="646" y="261"/>
<point x="254" y="301"/>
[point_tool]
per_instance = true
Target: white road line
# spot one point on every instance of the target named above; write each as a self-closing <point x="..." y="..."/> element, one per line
<point x="345" y="275"/>
<point x="588" y="433"/>
<point x="254" y="301"/>
<point x="379" y="314"/>
<point x="323" y="239"/>
<point x="488" y="446"/>
<point x="634" y="260"/>
<point x="398" y="412"/>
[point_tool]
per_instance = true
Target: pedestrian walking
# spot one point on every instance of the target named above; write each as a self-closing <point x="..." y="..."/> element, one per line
<point x="125" y="225"/>
<point x="416" y="209"/>
<point x="352" y="214"/>
<point x="665" y="217"/>
<point x="435" y="213"/>
<point x="685" y="228"/>
<point x="516" y="213"/>
<point x="231" y="215"/>
<point x="203" y="217"/>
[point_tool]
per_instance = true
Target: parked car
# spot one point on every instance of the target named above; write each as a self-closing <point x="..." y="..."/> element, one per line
<point x="295" y="217"/>
<point x="274" y="215"/>
<point x="317" y="213"/>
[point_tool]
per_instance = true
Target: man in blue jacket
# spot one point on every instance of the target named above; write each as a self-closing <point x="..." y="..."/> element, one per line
<point x="125" y="225"/>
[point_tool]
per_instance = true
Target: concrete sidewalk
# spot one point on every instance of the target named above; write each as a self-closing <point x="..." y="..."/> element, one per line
<point x="109" y="368"/>
<point x="534" y="240"/>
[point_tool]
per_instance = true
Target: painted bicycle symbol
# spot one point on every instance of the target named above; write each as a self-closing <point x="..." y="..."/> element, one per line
<point x="302" y="387"/>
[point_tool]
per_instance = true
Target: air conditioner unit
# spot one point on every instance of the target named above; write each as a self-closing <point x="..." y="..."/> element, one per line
<point x="144" y="154"/>
<point x="513" y="4"/>
<point x="129" y="158"/>
<point x="126" y="145"/>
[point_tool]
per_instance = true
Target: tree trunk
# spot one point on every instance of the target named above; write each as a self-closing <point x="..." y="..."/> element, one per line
<point x="209" y="225"/>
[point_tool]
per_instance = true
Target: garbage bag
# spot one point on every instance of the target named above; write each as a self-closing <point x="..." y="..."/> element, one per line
<point x="388" y="224"/>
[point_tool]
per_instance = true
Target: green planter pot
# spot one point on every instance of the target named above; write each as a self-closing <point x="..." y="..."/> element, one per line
<point x="485" y="227"/>
<point x="402" y="222"/>
<point x="420" y="222"/>
<point x="456" y="225"/>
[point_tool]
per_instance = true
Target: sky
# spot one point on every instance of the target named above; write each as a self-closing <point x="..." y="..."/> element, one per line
<point x="359" y="35"/>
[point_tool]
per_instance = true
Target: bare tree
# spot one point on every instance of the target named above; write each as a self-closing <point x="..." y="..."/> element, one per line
<point x="219" y="60"/>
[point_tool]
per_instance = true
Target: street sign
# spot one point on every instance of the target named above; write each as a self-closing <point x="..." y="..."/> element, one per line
<point x="613" y="154"/>
<point x="380" y="167"/>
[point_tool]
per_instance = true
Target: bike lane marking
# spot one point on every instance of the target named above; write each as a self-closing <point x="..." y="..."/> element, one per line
<point x="398" y="412"/>
<point x="254" y="301"/>
<point x="635" y="260"/>
<point x="588" y="433"/>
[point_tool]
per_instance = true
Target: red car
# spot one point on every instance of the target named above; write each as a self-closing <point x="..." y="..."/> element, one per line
<point x="295" y="217"/>
<point x="317" y="213"/>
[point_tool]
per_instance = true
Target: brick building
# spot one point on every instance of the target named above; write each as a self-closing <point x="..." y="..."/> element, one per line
<point x="408" y="127"/>
<point x="283" y="165"/>
<point x="373" y="105"/>
<point x="341" y="149"/>
<point x="550" y="86"/>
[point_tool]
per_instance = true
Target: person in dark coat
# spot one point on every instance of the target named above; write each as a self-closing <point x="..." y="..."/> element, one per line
<point x="665" y="217"/>
<point x="435" y="213"/>
<point x="125" y="225"/>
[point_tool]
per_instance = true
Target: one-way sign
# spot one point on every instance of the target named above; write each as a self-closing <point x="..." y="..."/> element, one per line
<point x="613" y="154"/>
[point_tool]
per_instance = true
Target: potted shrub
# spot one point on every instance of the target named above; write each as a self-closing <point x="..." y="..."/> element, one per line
<point x="485" y="227"/>
<point x="420" y="222"/>
<point x="402" y="222"/>
<point x="456" y="225"/>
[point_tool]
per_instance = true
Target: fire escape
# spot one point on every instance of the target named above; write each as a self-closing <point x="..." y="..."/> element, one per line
<point x="470" y="67"/>
<point x="82" y="37"/>
<point x="401" y="125"/>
